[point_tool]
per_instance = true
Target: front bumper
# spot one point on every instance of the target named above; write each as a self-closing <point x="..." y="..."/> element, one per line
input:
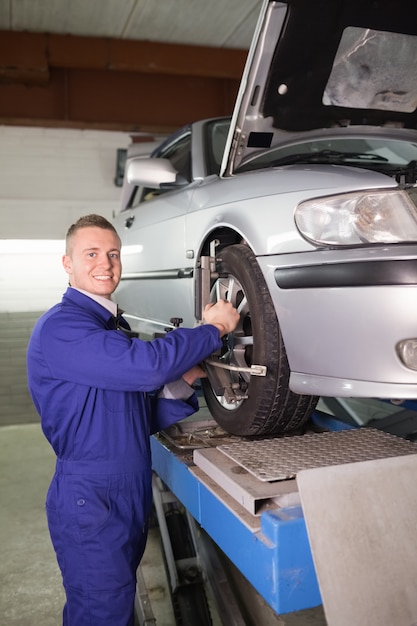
<point x="341" y="314"/>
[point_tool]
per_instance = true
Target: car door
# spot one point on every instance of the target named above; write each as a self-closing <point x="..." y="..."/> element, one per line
<point x="156" y="281"/>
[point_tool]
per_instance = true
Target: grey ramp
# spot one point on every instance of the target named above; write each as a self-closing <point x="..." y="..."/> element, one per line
<point x="361" y="521"/>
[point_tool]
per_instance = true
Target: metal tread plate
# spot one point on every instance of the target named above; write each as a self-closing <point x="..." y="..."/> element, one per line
<point x="250" y="493"/>
<point x="282" y="458"/>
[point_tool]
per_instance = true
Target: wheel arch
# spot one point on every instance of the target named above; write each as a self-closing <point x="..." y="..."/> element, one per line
<point x="224" y="235"/>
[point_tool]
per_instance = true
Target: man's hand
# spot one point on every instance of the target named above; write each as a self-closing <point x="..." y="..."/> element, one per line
<point x="195" y="372"/>
<point x="223" y="315"/>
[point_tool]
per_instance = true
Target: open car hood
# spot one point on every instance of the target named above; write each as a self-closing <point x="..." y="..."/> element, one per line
<point x="324" y="64"/>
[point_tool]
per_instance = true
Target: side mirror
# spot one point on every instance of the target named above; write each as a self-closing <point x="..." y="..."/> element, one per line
<point x="154" y="173"/>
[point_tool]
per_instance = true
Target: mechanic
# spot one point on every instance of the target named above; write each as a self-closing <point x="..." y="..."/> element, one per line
<point x="100" y="393"/>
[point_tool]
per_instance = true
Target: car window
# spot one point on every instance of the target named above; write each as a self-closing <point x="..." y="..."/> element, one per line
<point x="216" y="135"/>
<point x="179" y="153"/>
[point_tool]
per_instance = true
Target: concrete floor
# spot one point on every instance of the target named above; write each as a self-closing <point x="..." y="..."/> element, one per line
<point x="30" y="582"/>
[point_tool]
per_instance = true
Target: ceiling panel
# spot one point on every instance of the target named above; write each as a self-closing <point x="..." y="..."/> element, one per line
<point x="243" y="30"/>
<point x="101" y="18"/>
<point x="214" y="23"/>
<point x="199" y="22"/>
<point x="4" y="14"/>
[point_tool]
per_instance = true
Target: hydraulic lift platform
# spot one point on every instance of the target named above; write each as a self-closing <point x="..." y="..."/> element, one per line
<point x="245" y="495"/>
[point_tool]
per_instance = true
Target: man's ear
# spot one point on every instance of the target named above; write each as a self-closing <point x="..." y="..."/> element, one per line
<point x="67" y="263"/>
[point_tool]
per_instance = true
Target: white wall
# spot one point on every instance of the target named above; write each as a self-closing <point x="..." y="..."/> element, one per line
<point x="31" y="274"/>
<point x="49" y="178"/>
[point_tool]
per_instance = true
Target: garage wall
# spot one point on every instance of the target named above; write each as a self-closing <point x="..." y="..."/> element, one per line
<point x="48" y="178"/>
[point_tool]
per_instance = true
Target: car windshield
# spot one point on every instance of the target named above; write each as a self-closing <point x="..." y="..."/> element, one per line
<point x="391" y="156"/>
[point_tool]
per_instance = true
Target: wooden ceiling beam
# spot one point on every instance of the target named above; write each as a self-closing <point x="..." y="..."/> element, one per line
<point x="23" y="58"/>
<point x="87" y="82"/>
<point x="124" y="100"/>
<point x="30" y="56"/>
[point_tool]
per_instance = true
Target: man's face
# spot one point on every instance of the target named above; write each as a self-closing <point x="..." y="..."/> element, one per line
<point x="93" y="262"/>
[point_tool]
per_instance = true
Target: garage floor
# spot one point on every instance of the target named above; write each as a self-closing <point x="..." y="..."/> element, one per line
<point x="30" y="584"/>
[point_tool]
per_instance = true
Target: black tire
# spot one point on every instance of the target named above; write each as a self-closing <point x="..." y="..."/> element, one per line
<point x="270" y="406"/>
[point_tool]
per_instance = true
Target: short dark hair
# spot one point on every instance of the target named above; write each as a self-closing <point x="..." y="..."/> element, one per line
<point x="88" y="221"/>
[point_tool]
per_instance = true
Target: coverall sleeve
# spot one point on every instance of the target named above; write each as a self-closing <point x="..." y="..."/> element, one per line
<point x="78" y="351"/>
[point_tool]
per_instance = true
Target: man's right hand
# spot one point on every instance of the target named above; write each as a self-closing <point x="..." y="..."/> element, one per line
<point x="223" y="315"/>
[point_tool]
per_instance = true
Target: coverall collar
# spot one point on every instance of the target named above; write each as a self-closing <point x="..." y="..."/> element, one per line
<point x="88" y="301"/>
<point x="105" y="302"/>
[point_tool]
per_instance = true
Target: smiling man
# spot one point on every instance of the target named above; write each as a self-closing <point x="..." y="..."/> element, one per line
<point x="100" y="394"/>
<point x="92" y="259"/>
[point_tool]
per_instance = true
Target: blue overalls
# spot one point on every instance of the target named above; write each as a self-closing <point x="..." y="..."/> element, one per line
<point x="92" y="386"/>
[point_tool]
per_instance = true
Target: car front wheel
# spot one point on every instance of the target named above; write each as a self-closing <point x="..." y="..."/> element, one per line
<point x="262" y="405"/>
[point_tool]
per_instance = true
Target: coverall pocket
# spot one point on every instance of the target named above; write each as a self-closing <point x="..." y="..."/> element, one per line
<point x="92" y="501"/>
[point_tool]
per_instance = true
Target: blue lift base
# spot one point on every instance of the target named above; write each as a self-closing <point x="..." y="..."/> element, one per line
<point x="276" y="560"/>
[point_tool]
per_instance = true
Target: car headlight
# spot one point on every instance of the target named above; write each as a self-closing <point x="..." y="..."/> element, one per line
<point x="357" y="218"/>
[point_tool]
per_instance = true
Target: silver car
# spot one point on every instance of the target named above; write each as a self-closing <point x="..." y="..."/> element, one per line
<point x="300" y="209"/>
